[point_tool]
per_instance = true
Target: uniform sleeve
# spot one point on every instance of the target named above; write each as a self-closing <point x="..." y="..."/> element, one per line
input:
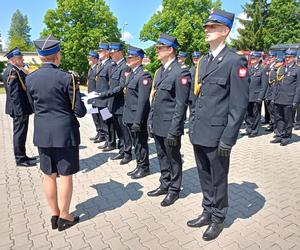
<point x="182" y="90"/>
<point x="14" y="92"/>
<point x="145" y="84"/>
<point x="297" y="94"/>
<point x="238" y="101"/>
<point x="74" y="96"/>
<point x="264" y="84"/>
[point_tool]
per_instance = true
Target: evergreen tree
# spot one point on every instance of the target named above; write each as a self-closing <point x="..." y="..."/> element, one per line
<point x="19" y="32"/>
<point x="252" y="35"/>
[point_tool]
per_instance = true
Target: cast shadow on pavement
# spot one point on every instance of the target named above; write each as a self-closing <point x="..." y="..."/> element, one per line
<point x="110" y="195"/>
<point x="244" y="199"/>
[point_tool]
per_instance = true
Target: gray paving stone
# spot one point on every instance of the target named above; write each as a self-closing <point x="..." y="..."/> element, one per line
<point x="116" y="212"/>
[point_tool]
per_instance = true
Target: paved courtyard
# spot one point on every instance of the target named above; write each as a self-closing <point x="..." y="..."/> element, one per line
<point x="116" y="212"/>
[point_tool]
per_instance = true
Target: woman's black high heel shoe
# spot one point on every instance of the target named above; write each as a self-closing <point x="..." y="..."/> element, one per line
<point x="54" y="222"/>
<point x="65" y="224"/>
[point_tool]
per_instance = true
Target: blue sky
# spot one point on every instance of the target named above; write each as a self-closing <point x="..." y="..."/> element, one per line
<point x="134" y="13"/>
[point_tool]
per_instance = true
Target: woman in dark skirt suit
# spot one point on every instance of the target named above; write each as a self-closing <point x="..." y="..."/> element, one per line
<point x="55" y="98"/>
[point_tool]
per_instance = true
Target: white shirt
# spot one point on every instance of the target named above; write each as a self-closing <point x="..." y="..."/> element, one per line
<point x="102" y="62"/>
<point x="217" y="51"/>
<point x="118" y="62"/>
<point x="168" y="63"/>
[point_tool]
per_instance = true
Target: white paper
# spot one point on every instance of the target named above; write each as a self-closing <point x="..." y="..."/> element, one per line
<point x="89" y="107"/>
<point x="105" y="114"/>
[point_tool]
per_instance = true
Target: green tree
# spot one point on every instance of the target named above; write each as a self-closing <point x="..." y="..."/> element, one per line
<point x="251" y="36"/>
<point x="19" y="32"/>
<point x="283" y="22"/>
<point x="81" y="25"/>
<point x="181" y="18"/>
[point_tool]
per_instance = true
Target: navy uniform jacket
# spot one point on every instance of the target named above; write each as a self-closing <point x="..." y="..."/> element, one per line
<point x="271" y="83"/>
<point x="103" y="73"/>
<point x="16" y="87"/>
<point x="258" y="85"/>
<point x="8" y="105"/>
<point x="169" y="104"/>
<point x="91" y="79"/>
<point x="115" y="94"/>
<point x="137" y="104"/>
<point x="221" y="105"/>
<point x="57" y="103"/>
<point x="288" y="90"/>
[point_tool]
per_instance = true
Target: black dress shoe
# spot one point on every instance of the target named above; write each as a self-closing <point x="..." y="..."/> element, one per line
<point x="252" y="135"/>
<point x="98" y="140"/>
<point x="103" y="146"/>
<point x="264" y="123"/>
<point x="213" y="231"/>
<point x="297" y="128"/>
<point x="26" y="163"/>
<point x="269" y="129"/>
<point x="169" y="199"/>
<point x="95" y="137"/>
<point x="108" y="148"/>
<point x="65" y="224"/>
<point x="133" y="171"/>
<point x="30" y="158"/>
<point x="157" y="192"/>
<point x="117" y="157"/>
<point x="284" y="142"/>
<point x="202" y="220"/>
<point x="126" y="160"/>
<point x="246" y="133"/>
<point x="54" y="222"/>
<point x="140" y="174"/>
<point x="276" y="140"/>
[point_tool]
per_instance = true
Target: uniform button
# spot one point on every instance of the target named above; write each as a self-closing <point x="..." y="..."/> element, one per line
<point x="200" y="106"/>
<point x="203" y="81"/>
<point x="202" y="93"/>
<point x="198" y="117"/>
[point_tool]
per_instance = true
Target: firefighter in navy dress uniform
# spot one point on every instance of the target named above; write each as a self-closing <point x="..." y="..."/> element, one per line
<point x="287" y="98"/>
<point x="18" y="106"/>
<point x="257" y="91"/>
<point x="166" y="119"/>
<point x="297" y="115"/>
<point x="136" y="109"/>
<point x="57" y="104"/>
<point x="222" y="87"/>
<point x="93" y="58"/>
<point x="115" y="97"/>
<point x="103" y="72"/>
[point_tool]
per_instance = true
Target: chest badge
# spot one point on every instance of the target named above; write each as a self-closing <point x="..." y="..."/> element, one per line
<point x="242" y="72"/>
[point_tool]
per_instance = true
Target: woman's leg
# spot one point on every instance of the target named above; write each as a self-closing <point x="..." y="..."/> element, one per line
<point x="50" y="190"/>
<point x="65" y="196"/>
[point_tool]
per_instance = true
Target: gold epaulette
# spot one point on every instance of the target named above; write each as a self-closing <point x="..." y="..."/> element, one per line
<point x="153" y="91"/>
<point x="197" y="85"/>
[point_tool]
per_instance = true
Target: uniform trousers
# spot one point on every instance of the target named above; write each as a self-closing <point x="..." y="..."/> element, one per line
<point x="284" y="120"/>
<point x="170" y="163"/>
<point x="141" y="147"/>
<point x="253" y="116"/>
<point x="271" y="111"/>
<point x="213" y="174"/>
<point x="20" y="128"/>
<point x="124" y="136"/>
